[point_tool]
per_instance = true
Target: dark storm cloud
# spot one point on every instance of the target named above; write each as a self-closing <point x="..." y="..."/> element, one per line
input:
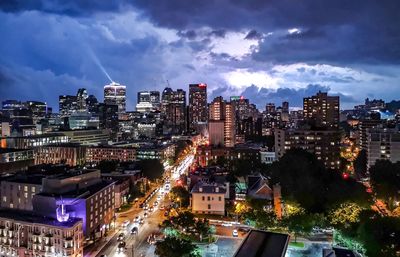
<point x="341" y="31"/>
<point x="71" y="8"/>
<point x="253" y="35"/>
<point x="218" y="33"/>
<point x="261" y="96"/>
<point x="190" y="34"/>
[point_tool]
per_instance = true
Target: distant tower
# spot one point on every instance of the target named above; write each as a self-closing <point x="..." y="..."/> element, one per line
<point x="81" y="97"/>
<point x="197" y="105"/>
<point x="115" y="94"/>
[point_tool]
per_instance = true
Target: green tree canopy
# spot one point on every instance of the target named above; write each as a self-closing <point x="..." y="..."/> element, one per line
<point x="181" y="193"/>
<point x="175" y="247"/>
<point x="385" y="179"/>
<point x="305" y="180"/>
<point x="151" y="168"/>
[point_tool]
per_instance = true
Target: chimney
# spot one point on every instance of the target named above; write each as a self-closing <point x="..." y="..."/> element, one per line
<point x="200" y="189"/>
<point x="217" y="189"/>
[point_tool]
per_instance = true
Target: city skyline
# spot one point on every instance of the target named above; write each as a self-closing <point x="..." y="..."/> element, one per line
<point x="277" y="52"/>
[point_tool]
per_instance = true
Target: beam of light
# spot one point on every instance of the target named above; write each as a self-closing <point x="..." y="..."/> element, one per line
<point x="98" y="63"/>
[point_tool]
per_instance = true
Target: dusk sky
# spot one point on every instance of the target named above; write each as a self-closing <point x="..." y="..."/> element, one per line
<point x="266" y="50"/>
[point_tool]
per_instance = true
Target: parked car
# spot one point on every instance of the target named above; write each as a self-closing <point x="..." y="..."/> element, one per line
<point x="121" y="237"/>
<point x="134" y="230"/>
<point x="235" y="233"/>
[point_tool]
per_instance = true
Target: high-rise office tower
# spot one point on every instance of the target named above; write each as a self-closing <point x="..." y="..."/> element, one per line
<point x="197" y="105"/>
<point x="221" y="125"/>
<point x="173" y="108"/>
<point x="148" y="101"/>
<point x="67" y="104"/>
<point x="321" y="110"/>
<point x="285" y="112"/>
<point x="92" y="104"/>
<point x="115" y="94"/>
<point x="270" y="108"/>
<point x="81" y="97"/>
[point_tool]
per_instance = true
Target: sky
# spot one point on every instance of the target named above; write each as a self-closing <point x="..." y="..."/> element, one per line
<point x="265" y="50"/>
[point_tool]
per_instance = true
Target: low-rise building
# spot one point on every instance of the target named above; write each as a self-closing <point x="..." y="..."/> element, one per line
<point x="109" y="153"/>
<point x="325" y="144"/>
<point x="15" y="159"/>
<point x="25" y="234"/>
<point x="69" y="154"/>
<point x="382" y="144"/>
<point x="17" y="191"/>
<point x="208" y="198"/>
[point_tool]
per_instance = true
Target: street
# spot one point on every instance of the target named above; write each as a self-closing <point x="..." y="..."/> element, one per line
<point x="137" y="245"/>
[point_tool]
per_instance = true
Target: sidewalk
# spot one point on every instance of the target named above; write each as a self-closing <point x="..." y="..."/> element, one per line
<point x="100" y="245"/>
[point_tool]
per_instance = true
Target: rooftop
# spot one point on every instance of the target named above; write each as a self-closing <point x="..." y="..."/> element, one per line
<point x="263" y="244"/>
<point x="202" y="187"/>
<point x="30" y="217"/>
<point x="82" y="192"/>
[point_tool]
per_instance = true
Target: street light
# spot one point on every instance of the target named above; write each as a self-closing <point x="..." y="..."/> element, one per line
<point x="179" y="200"/>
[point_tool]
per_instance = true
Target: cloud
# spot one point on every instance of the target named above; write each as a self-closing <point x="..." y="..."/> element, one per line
<point x="254" y="35"/>
<point x="262" y="96"/>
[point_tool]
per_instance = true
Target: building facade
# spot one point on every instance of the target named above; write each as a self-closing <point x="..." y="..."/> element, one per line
<point x="115" y="94"/>
<point x="325" y="144"/>
<point x="208" y="198"/>
<point x="198" y="113"/>
<point x="322" y="110"/>
<point x="25" y="234"/>
<point x="383" y="144"/>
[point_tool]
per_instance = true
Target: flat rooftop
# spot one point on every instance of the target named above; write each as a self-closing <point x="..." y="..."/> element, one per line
<point x="30" y="217"/>
<point x="263" y="244"/>
<point x="82" y="193"/>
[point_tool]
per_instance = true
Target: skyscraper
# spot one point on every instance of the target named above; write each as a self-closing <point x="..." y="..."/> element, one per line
<point x="197" y="105"/>
<point x="321" y="110"/>
<point x="221" y="126"/>
<point x="81" y="97"/>
<point x="115" y="94"/>
<point x="67" y="104"/>
<point x="173" y="108"/>
<point x="148" y="101"/>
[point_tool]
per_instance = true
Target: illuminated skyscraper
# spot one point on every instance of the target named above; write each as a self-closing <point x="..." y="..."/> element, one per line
<point x="173" y="107"/>
<point x="221" y="126"/>
<point x="197" y="105"/>
<point x="115" y="94"/>
<point x="81" y="97"/>
<point x="321" y="110"/>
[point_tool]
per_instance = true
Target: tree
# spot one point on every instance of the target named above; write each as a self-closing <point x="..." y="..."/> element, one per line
<point x="385" y="180"/>
<point x="360" y="164"/>
<point x="305" y="180"/>
<point x="179" y="192"/>
<point x="185" y="225"/>
<point x="345" y="214"/>
<point x="151" y="168"/>
<point x="175" y="247"/>
<point x="300" y="224"/>
<point x="106" y="166"/>
<point x="380" y="235"/>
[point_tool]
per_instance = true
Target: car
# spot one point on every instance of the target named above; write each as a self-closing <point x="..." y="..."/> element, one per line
<point x="162" y="207"/>
<point x="141" y="221"/>
<point x="155" y="203"/>
<point x="121" y="237"/>
<point x="126" y="223"/>
<point x="151" y="209"/>
<point x="134" y="230"/>
<point x="145" y="214"/>
<point x="235" y="233"/>
<point x="141" y="205"/>
<point x="136" y="219"/>
<point x="244" y="230"/>
<point x="226" y="224"/>
<point x="121" y="246"/>
<point x="166" y="213"/>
